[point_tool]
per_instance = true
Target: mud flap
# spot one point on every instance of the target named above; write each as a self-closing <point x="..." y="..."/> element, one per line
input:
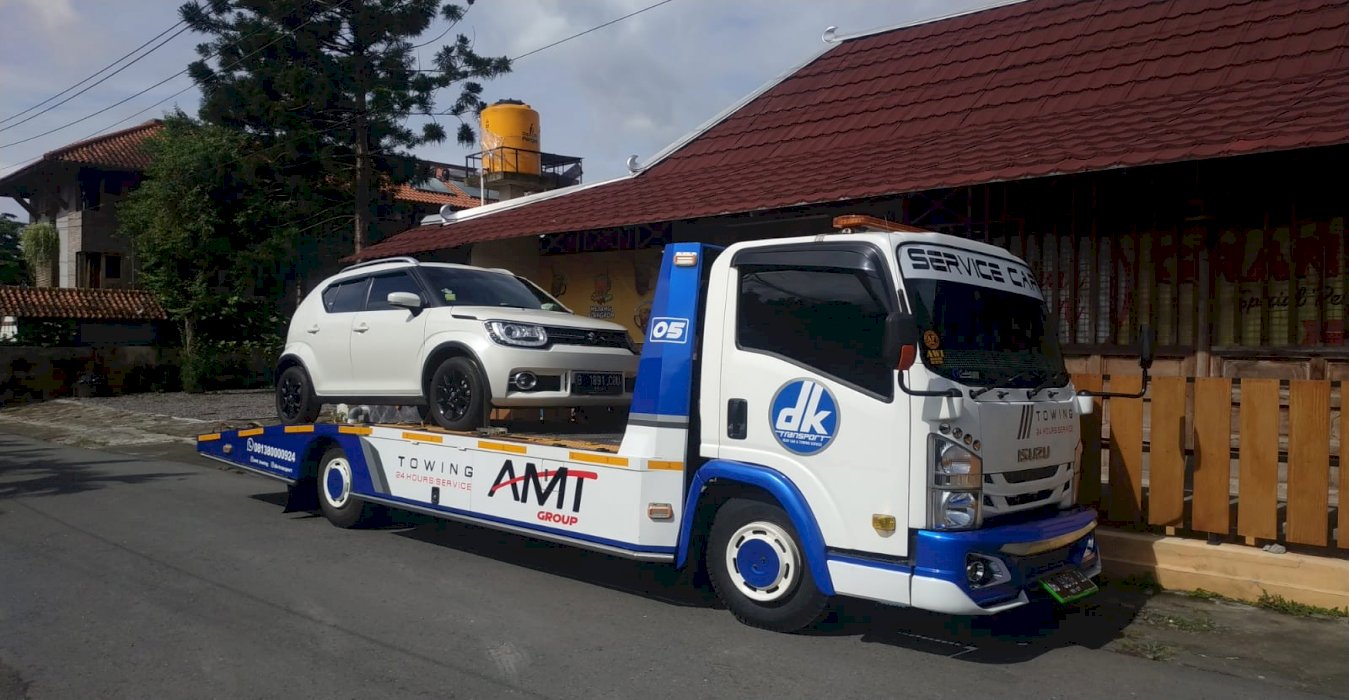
<point x="301" y="497"/>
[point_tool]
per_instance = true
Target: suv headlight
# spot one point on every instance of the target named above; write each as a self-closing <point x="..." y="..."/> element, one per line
<point x="519" y="334"/>
<point x="957" y="486"/>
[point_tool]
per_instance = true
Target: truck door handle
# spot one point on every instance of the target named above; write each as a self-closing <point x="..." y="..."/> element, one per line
<point x="313" y="329"/>
<point x="361" y="328"/>
<point x="737" y="419"/>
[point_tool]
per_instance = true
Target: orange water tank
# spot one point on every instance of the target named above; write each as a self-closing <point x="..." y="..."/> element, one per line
<point x="510" y="138"/>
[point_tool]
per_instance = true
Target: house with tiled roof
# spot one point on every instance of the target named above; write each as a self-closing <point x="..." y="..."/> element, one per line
<point x="77" y="188"/>
<point x="1174" y="163"/>
<point x="117" y="316"/>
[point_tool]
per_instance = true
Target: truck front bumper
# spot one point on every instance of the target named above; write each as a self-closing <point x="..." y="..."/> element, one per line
<point x="1019" y="555"/>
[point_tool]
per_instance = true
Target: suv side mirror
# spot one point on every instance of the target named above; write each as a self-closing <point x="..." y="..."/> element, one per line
<point x="405" y="300"/>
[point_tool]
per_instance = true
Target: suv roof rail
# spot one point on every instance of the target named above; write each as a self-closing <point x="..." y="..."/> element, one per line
<point x="380" y="261"/>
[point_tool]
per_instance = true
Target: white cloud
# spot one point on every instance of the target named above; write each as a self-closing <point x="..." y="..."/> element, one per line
<point x="630" y="88"/>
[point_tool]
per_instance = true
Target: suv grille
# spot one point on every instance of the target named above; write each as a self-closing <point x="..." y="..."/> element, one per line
<point x="559" y="335"/>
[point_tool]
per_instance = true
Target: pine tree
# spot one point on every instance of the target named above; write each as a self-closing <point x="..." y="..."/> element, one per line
<point x="325" y="86"/>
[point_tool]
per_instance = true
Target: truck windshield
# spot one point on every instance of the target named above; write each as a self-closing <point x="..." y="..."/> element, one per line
<point x="453" y="285"/>
<point x="981" y="318"/>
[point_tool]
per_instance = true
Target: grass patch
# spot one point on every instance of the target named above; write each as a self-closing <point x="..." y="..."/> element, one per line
<point x="1208" y="595"/>
<point x="1280" y="604"/>
<point x="1178" y="622"/>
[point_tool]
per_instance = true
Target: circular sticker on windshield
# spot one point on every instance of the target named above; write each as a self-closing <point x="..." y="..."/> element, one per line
<point x="804" y="416"/>
<point x="931" y="339"/>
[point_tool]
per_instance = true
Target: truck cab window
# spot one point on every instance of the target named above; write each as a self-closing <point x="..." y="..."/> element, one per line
<point x="828" y="320"/>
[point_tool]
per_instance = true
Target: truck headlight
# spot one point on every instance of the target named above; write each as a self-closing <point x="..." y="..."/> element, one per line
<point x="957" y="486"/>
<point x="519" y="334"/>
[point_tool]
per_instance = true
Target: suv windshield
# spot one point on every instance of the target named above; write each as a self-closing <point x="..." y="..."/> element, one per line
<point x="460" y="286"/>
<point x="981" y="318"/>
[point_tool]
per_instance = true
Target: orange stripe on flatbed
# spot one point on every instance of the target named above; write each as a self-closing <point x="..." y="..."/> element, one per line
<point x="353" y="430"/>
<point x="250" y="432"/>
<point x="208" y="437"/>
<point x="299" y="428"/>
<point x="502" y="447"/>
<point x="608" y="460"/>
<point x="423" y="437"/>
<point x="660" y="464"/>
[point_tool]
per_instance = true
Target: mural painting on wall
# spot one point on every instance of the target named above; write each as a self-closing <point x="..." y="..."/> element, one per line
<point x="1270" y="287"/>
<point x="615" y="285"/>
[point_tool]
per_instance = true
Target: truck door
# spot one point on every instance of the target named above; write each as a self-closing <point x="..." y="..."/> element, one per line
<point x="800" y="384"/>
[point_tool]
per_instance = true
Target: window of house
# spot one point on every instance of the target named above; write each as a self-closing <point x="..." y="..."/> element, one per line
<point x="112" y="267"/>
<point x="382" y="285"/>
<point x="345" y="297"/>
<point x="828" y="320"/>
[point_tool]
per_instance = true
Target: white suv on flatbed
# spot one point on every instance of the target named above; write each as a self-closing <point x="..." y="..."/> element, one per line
<point x="454" y="340"/>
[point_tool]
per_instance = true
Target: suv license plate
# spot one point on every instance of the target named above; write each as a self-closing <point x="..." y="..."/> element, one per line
<point x="596" y="383"/>
<point x="1067" y="586"/>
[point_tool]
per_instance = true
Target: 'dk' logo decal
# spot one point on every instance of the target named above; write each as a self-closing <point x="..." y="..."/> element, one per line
<point x="804" y="416"/>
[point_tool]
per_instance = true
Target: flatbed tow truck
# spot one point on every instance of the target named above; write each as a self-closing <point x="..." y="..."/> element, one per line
<point x="879" y="412"/>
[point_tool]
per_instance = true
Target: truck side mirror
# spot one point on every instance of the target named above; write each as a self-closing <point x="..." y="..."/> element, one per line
<point x="1145" y="350"/>
<point x="898" y="343"/>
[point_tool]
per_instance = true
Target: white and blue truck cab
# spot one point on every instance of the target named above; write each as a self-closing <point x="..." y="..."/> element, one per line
<point x="879" y="412"/>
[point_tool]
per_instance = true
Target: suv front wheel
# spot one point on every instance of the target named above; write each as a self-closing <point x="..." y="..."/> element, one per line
<point x="457" y="395"/>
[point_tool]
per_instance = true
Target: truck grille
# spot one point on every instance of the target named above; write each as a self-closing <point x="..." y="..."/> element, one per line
<point x="560" y="335"/>
<point x="1024" y="489"/>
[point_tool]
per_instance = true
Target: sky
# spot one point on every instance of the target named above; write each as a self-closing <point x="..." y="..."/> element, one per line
<point x="631" y="88"/>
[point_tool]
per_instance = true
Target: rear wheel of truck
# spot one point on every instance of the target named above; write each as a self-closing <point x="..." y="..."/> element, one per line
<point x="295" y="400"/>
<point x="757" y="568"/>
<point x="337" y="501"/>
<point x="457" y="395"/>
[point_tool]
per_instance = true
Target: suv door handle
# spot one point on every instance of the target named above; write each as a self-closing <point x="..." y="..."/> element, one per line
<point x="361" y="327"/>
<point x="313" y="329"/>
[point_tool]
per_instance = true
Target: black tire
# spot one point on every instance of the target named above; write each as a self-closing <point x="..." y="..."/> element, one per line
<point x="339" y="505"/>
<point x="295" y="400"/>
<point x="457" y="395"/>
<point x="782" y="595"/>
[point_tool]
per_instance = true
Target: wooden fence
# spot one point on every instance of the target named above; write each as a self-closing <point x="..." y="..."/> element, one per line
<point x="1259" y="459"/>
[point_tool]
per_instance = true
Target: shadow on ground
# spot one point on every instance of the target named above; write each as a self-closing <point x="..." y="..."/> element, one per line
<point x="1012" y="637"/>
<point x="31" y="469"/>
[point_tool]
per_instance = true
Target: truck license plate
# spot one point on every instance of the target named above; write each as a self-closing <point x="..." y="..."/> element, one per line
<point x="596" y="383"/>
<point x="1067" y="586"/>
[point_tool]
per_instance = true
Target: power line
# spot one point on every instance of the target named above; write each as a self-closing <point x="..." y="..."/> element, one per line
<point x="91" y="77"/>
<point x="447" y="29"/>
<point x="595" y="28"/>
<point x="93" y="84"/>
<point x="171" y="77"/>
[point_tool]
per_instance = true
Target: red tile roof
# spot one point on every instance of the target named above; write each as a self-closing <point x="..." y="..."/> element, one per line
<point x="457" y="197"/>
<point x="85" y="304"/>
<point x="120" y="150"/>
<point x="1032" y="89"/>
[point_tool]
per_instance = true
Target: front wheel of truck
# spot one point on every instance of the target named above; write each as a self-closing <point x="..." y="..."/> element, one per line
<point x="755" y="561"/>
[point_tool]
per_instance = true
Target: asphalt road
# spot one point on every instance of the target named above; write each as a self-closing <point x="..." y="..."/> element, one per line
<point x="134" y="576"/>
